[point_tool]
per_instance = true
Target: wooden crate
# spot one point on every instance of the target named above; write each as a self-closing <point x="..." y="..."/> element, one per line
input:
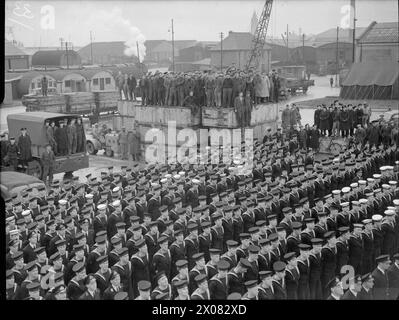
<point x="226" y="117"/>
<point x="75" y="102"/>
<point x="158" y="114"/>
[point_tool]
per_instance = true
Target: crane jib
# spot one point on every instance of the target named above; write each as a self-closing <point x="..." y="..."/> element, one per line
<point x="259" y="39"/>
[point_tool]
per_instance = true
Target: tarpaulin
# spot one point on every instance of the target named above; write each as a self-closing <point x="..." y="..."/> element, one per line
<point x="372" y="73"/>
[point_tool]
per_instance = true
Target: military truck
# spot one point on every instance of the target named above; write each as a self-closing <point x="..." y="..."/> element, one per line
<point x="35" y="123"/>
<point x="294" y="78"/>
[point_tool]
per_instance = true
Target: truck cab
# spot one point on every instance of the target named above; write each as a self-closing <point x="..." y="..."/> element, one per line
<point x="35" y="123"/>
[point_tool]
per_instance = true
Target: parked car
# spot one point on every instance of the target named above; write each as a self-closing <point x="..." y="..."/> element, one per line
<point x="12" y="182"/>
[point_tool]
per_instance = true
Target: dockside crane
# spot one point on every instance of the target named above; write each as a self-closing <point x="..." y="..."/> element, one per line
<point x="259" y="39"/>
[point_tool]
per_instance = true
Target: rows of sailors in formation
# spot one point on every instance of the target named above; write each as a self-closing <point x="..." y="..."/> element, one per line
<point x="165" y="233"/>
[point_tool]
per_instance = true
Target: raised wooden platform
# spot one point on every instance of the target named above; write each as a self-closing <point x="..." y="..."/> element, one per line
<point x="264" y="116"/>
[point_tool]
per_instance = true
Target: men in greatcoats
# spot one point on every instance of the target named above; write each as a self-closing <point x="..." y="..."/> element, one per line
<point x="210" y="84"/>
<point x="143" y="83"/>
<point x="344" y="122"/>
<point x="381" y="280"/>
<point x="72" y="137"/>
<point x="286" y="118"/>
<point x="119" y="83"/>
<point x="393" y="277"/>
<point x="360" y="135"/>
<point x="239" y="109"/>
<point x="257" y="81"/>
<point x="80" y="136"/>
<point x="123" y="143"/>
<point x="48" y="161"/>
<point x="50" y="130"/>
<point x="276" y="87"/>
<point x="248" y="109"/>
<point x="44" y="83"/>
<point x="373" y="134"/>
<point x="227" y="91"/>
<point x="317" y="116"/>
<point x="134" y="143"/>
<point x="132" y="83"/>
<point x="324" y="120"/>
<point x="24" y="146"/>
<point x="12" y="153"/>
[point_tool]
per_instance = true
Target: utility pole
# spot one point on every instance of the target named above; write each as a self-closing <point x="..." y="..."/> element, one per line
<point x="91" y="49"/>
<point x="173" y="48"/>
<point x="138" y="55"/>
<point x="138" y="52"/>
<point x="221" y="51"/>
<point x="288" y="50"/>
<point x="303" y="49"/>
<point x="336" y="60"/>
<point x="66" y="50"/>
<point x="354" y="32"/>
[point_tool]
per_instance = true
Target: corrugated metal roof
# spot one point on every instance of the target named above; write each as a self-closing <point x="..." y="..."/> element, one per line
<point x="59" y="75"/>
<point x="24" y="83"/>
<point x="330" y="36"/>
<point x="237" y="41"/>
<point x="151" y="44"/>
<point x="53" y="57"/>
<point x="111" y="48"/>
<point x="381" y="32"/>
<point x="9" y="76"/>
<point x="12" y="50"/>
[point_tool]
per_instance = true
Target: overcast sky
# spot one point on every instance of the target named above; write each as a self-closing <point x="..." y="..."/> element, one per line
<point x="198" y="20"/>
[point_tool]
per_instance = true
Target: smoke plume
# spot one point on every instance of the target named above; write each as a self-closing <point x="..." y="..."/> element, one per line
<point x="124" y="30"/>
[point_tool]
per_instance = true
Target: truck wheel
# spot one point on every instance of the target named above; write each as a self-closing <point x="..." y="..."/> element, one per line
<point x="35" y="169"/>
<point x="109" y="152"/>
<point x="90" y="148"/>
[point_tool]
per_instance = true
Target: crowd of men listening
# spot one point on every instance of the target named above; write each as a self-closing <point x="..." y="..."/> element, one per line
<point x="354" y="121"/>
<point x="362" y="132"/>
<point x="287" y="228"/>
<point x="208" y="88"/>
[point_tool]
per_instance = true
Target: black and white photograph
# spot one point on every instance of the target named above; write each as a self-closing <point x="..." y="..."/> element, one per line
<point x="200" y="150"/>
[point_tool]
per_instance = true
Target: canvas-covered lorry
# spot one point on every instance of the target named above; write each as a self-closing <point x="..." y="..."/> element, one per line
<point x="35" y="123"/>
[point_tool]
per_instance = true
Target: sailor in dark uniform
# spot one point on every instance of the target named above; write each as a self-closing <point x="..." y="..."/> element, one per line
<point x="253" y="292"/>
<point x="11" y="285"/>
<point x="355" y="286"/>
<point x="279" y="287"/>
<point x="328" y="257"/>
<point x="140" y="265"/>
<point x="235" y="277"/>
<point x="218" y="283"/>
<point x="192" y="244"/>
<point x="163" y="286"/>
<point x="366" y="292"/>
<point x="199" y="268"/>
<point x="211" y="266"/>
<point x="162" y="258"/>
<point x="182" y="274"/>
<point x="335" y="289"/>
<point x="202" y="292"/>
